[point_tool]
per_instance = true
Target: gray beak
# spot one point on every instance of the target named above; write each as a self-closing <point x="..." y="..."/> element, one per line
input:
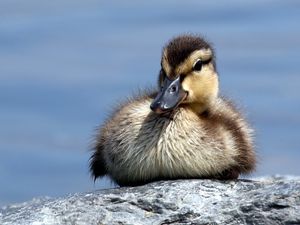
<point x="169" y="96"/>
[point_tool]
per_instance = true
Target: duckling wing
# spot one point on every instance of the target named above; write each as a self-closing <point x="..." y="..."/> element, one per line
<point x="103" y="151"/>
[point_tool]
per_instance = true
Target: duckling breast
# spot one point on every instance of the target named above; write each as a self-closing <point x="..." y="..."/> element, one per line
<point x="141" y="145"/>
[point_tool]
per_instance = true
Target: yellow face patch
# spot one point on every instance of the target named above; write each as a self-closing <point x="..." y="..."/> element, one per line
<point x="202" y="90"/>
<point x="202" y="85"/>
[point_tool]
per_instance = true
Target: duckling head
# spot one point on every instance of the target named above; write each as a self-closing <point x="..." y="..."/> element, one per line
<point x="188" y="76"/>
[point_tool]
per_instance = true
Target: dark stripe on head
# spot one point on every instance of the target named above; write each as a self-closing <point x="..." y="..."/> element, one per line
<point x="179" y="48"/>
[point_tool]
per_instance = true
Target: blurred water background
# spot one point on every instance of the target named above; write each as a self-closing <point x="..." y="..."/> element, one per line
<point x="64" y="63"/>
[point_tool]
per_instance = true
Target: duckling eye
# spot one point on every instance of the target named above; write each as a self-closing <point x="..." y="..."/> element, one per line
<point x="197" y="65"/>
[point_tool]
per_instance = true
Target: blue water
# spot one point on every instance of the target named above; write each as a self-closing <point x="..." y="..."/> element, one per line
<point x="63" y="64"/>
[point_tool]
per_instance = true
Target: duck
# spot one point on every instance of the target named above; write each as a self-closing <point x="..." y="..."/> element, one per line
<point x="183" y="129"/>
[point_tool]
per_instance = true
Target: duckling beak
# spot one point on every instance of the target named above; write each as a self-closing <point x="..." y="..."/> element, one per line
<point x="169" y="97"/>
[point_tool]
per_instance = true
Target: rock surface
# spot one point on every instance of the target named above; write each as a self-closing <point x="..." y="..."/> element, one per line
<point x="273" y="200"/>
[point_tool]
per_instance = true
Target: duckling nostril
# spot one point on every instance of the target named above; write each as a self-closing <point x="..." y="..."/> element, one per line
<point x="173" y="89"/>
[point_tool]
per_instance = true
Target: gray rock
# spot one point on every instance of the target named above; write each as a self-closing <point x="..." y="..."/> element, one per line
<point x="274" y="200"/>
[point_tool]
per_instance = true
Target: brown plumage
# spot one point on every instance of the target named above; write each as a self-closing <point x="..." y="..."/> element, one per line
<point x="189" y="132"/>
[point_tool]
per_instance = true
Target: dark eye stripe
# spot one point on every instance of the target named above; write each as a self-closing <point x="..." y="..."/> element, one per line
<point x="206" y="61"/>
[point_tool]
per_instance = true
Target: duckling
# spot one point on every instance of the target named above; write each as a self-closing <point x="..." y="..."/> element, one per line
<point x="185" y="129"/>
